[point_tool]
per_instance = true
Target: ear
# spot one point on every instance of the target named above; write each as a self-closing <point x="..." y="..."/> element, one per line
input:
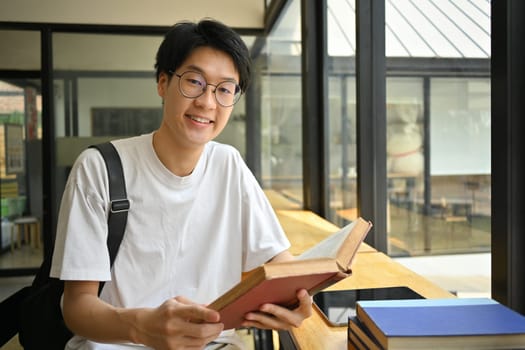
<point x="162" y="84"/>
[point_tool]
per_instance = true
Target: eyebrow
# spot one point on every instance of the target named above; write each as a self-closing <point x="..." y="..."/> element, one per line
<point x="197" y="69"/>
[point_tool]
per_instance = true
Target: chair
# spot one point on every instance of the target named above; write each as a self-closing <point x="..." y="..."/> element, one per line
<point x="29" y="226"/>
<point x="453" y="216"/>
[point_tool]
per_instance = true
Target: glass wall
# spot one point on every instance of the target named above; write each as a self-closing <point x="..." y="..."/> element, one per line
<point x="20" y="151"/>
<point x="281" y="110"/>
<point x="342" y="155"/>
<point x="438" y="127"/>
<point x="438" y="124"/>
<point x="460" y="162"/>
<point x="405" y="161"/>
<point x="437" y="135"/>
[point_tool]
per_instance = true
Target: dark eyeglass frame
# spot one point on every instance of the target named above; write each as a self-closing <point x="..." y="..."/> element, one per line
<point x="236" y="97"/>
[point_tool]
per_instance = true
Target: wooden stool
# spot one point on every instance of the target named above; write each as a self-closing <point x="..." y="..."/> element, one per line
<point x="30" y="227"/>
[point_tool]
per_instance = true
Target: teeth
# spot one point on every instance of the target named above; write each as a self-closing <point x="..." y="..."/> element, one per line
<point x="200" y="120"/>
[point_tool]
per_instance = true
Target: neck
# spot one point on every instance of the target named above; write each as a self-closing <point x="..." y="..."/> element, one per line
<point x="178" y="159"/>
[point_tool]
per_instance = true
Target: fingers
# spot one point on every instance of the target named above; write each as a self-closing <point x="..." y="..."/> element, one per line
<point x="305" y="303"/>
<point x="194" y="320"/>
<point x="188" y="333"/>
<point x="196" y="313"/>
<point x="263" y="321"/>
<point x="271" y="316"/>
<point x="181" y="323"/>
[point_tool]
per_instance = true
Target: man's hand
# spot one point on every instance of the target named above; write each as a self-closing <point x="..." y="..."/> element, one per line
<point x="178" y="324"/>
<point x="271" y="316"/>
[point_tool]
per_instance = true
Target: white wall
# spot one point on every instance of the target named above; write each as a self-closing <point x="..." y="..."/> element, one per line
<point x="238" y="14"/>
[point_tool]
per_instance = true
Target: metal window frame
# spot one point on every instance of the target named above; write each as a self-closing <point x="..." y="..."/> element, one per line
<point x="508" y="164"/>
<point x="314" y="106"/>
<point x="371" y="119"/>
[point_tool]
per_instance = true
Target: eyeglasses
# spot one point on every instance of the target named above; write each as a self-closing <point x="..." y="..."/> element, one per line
<point x="193" y="85"/>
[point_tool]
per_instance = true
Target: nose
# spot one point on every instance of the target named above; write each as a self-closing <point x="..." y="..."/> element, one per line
<point x="207" y="99"/>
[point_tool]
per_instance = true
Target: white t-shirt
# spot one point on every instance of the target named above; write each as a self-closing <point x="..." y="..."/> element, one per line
<point x="191" y="236"/>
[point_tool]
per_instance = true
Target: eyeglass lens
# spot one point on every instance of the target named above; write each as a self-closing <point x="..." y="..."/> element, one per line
<point x="193" y="85"/>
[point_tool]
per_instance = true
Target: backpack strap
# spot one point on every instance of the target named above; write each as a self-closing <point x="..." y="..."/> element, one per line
<point x="118" y="213"/>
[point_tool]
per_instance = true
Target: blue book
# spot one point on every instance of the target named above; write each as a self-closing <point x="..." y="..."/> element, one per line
<point x="455" y="323"/>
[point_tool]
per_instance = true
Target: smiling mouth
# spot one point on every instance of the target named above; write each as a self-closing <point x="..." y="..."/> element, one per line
<point x="200" y="120"/>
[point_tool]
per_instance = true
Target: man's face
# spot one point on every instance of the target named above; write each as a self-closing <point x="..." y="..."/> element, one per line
<point x="194" y="121"/>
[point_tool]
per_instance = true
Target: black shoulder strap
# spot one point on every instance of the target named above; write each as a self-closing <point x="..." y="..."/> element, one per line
<point x="118" y="214"/>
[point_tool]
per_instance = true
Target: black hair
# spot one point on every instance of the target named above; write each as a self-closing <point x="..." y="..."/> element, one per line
<point x="184" y="37"/>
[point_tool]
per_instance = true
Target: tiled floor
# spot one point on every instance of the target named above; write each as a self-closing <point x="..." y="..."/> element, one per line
<point x="13" y="344"/>
<point x="9" y="285"/>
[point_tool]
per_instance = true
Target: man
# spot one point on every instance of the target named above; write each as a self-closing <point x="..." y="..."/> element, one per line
<point x="198" y="218"/>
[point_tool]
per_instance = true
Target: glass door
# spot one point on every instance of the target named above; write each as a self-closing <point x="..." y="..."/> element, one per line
<point x="20" y="174"/>
<point x="21" y="247"/>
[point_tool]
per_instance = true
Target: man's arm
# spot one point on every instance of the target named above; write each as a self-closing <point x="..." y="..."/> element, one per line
<point x="177" y="322"/>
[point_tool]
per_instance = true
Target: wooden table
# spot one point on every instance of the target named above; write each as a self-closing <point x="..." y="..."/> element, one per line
<point x="280" y="201"/>
<point x="369" y="270"/>
<point x="347" y="214"/>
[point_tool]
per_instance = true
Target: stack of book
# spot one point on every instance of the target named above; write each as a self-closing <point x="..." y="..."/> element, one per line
<point x="455" y="323"/>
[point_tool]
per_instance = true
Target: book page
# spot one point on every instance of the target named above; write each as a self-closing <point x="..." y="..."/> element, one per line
<point x="328" y="247"/>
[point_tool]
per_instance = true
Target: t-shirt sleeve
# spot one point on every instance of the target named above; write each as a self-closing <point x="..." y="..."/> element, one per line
<point x="80" y="251"/>
<point x="264" y="235"/>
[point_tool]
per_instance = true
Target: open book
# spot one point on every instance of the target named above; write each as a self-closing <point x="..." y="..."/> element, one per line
<point x="277" y="283"/>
